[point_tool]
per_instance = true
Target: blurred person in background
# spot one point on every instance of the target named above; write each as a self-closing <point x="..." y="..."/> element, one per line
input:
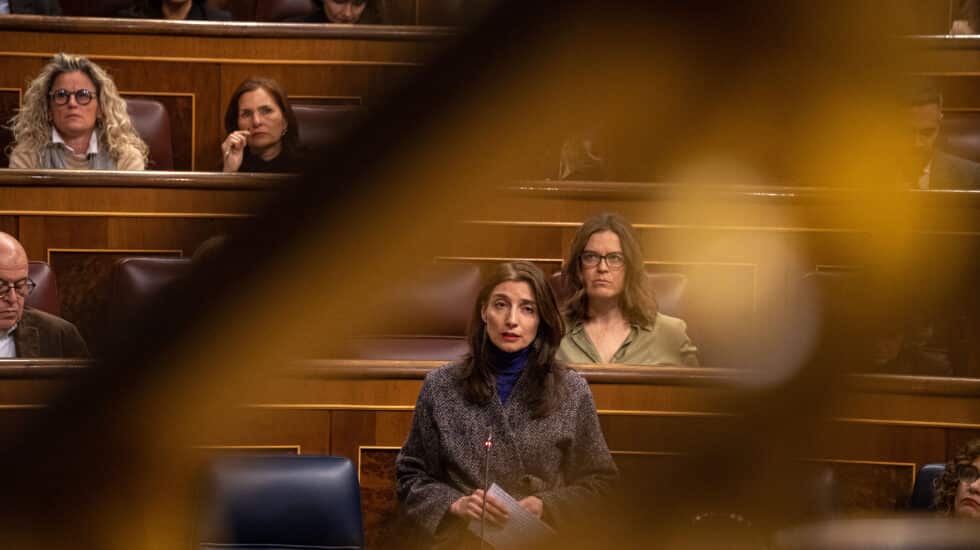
<point x="923" y="166"/>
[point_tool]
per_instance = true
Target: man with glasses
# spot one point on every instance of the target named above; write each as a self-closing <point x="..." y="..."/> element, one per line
<point x="923" y="166"/>
<point x="958" y="488"/>
<point x="25" y="331"/>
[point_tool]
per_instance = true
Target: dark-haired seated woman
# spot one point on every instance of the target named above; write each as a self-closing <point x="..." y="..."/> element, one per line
<point x="263" y="135"/>
<point x="611" y="313"/>
<point x="367" y="12"/>
<point x="548" y="450"/>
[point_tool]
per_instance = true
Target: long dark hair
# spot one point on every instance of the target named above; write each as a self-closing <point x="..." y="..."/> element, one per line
<point x="637" y="302"/>
<point x="290" y="140"/>
<point x="542" y="370"/>
<point x="948" y="482"/>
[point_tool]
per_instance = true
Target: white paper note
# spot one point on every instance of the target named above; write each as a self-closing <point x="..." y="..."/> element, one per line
<point x="522" y="529"/>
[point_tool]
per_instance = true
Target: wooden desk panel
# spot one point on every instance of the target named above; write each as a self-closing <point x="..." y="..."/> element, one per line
<point x="654" y="420"/>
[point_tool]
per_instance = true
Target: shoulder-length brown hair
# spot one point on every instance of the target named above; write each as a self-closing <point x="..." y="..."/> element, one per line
<point x="290" y="140"/>
<point x="637" y="301"/>
<point x="948" y="482"/>
<point x="542" y="370"/>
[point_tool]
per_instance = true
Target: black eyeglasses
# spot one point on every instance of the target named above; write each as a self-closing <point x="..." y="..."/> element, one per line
<point x="82" y="97"/>
<point x="615" y="260"/>
<point x="967" y="473"/>
<point x="23" y="287"/>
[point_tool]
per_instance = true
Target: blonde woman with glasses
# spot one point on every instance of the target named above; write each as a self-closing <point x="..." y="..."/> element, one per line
<point x="73" y="118"/>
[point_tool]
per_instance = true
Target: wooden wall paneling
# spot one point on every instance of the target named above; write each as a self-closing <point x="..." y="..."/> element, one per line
<point x="379" y="501"/>
<point x="503" y="240"/>
<point x="960" y="91"/>
<point x="235" y="45"/>
<point x="132" y="202"/>
<point x="876" y="442"/>
<point x="924" y="16"/>
<point x="38" y="233"/>
<point x="299" y="392"/>
<point x="167" y="233"/>
<point x="10" y="224"/>
<point x="9" y="103"/>
<point x="252" y="427"/>
<point x="936" y="409"/>
<point x="955" y="439"/>
<point x="401" y="12"/>
<point x="871" y="488"/>
<point x="664" y="434"/>
<point x="368" y="81"/>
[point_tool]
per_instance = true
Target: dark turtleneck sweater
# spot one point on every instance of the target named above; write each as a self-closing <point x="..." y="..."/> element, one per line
<point x="509" y="366"/>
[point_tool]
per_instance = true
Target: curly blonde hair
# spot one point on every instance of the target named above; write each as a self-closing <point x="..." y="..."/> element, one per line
<point x="31" y="125"/>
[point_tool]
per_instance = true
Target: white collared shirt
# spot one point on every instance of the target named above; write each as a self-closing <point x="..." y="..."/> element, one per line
<point x="8" y="349"/>
<point x="93" y="142"/>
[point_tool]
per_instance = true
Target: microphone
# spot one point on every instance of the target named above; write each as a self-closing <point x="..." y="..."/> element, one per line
<point x="486" y="480"/>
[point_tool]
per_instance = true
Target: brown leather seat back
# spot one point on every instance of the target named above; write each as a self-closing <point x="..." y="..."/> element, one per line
<point x="280" y="10"/>
<point x="45" y="296"/>
<point x="152" y="122"/>
<point x="135" y="281"/>
<point x="325" y="125"/>
<point x="429" y="316"/>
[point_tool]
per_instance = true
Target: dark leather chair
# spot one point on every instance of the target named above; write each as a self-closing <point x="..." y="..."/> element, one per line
<point x="321" y="126"/>
<point x="282" y="502"/>
<point x="925" y="490"/>
<point x="134" y="281"/>
<point x="441" y="301"/>
<point x="45" y="296"/>
<point x="961" y="135"/>
<point x="281" y="10"/>
<point x="152" y="123"/>
<point x="668" y="288"/>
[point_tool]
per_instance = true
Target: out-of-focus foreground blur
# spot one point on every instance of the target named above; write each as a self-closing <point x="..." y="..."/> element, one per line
<point x="753" y="145"/>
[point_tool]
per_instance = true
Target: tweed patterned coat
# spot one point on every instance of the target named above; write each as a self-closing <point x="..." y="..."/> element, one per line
<point x="561" y="458"/>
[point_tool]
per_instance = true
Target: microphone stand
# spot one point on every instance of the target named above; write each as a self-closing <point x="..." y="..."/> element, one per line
<point x="486" y="482"/>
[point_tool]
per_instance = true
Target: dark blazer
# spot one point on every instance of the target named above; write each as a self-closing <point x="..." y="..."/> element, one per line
<point x="36" y="7"/>
<point x="41" y="334"/>
<point x="950" y="172"/>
